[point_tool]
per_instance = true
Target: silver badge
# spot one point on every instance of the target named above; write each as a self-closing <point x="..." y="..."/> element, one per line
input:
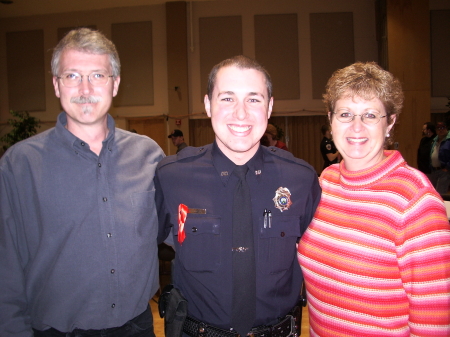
<point x="282" y="199"/>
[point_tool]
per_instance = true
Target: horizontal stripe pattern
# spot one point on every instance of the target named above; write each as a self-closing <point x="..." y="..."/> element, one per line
<point x="376" y="257"/>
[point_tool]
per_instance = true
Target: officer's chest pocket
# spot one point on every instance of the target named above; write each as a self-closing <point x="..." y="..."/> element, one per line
<point x="277" y="245"/>
<point x="200" y="250"/>
<point x="144" y="212"/>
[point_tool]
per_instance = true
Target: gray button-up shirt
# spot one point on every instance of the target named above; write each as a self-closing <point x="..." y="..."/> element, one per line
<point x="77" y="231"/>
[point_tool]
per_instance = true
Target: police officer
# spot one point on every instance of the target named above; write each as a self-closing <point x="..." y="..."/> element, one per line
<point x="195" y="193"/>
<point x="329" y="152"/>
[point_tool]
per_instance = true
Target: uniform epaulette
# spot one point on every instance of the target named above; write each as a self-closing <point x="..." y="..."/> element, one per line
<point x="187" y="152"/>
<point x="286" y="155"/>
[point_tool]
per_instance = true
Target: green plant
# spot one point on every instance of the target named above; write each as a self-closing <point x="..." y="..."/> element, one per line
<point x="23" y="126"/>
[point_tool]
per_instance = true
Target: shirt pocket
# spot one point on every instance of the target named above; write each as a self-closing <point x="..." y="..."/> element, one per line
<point x="144" y="212"/>
<point x="200" y="250"/>
<point x="277" y="245"/>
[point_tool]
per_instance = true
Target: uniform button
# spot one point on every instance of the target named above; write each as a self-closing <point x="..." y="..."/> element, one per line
<point x="113" y="305"/>
<point x="82" y="143"/>
<point x="105" y="199"/>
<point x="282" y="234"/>
<point x="194" y="229"/>
<point x="109" y="235"/>
<point x="99" y="165"/>
<point x="113" y="271"/>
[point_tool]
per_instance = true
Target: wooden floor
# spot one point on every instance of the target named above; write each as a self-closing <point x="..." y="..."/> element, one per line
<point x="159" y="323"/>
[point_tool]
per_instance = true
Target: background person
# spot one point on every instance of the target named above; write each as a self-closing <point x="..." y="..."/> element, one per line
<point x="440" y="159"/>
<point x="78" y="223"/>
<point x="199" y="199"/>
<point x="376" y="255"/>
<point x="424" y="150"/>
<point x="177" y="139"/>
<point x="328" y="150"/>
<point x="272" y="139"/>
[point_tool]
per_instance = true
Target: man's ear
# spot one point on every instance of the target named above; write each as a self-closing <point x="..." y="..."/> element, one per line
<point x="269" y="111"/>
<point x="207" y="105"/>
<point x="116" y="86"/>
<point x="56" y="86"/>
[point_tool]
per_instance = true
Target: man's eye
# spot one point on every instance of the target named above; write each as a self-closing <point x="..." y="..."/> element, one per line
<point x="227" y="99"/>
<point x="253" y="100"/>
<point x="98" y="76"/>
<point x="72" y="76"/>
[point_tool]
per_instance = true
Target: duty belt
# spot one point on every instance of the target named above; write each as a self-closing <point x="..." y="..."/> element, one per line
<point x="286" y="327"/>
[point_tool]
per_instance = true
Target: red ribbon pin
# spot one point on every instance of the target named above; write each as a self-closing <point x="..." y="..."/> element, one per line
<point x="182" y="213"/>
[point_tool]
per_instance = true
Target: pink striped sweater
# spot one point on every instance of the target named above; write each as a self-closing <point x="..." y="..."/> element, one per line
<point x="376" y="257"/>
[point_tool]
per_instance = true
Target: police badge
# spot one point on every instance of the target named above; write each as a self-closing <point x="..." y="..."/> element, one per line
<point x="282" y="199"/>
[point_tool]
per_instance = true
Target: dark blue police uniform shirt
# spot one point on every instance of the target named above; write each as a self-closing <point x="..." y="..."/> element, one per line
<point x="201" y="178"/>
<point x="327" y="146"/>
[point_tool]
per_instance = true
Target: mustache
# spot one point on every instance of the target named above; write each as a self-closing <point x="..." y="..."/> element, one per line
<point x="85" y="99"/>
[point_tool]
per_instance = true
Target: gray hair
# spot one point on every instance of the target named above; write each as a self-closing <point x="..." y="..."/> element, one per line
<point x="87" y="41"/>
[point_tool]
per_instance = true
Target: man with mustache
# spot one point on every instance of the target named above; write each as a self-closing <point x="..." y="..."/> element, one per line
<point x="78" y="223"/>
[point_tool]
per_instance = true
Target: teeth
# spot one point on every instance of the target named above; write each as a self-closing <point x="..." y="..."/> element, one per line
<point x="357" y="140"/>
<point x="238" y="128"/>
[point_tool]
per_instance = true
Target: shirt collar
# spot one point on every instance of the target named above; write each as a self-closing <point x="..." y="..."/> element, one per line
<point x="224" y="166"/>
<point x="71" y="140"/>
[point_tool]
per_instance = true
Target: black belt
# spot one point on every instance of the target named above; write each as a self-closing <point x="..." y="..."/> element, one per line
<point x="286" y="327"/>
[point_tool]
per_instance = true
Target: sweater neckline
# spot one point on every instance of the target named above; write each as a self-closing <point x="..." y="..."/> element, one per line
<point x="368" y="176"/>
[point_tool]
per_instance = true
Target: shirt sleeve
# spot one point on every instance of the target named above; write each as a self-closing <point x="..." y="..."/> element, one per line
<point x="313" y="201"/>
<point x="164" y="225"/>
<point x="423" y="252"/>
<point x="14" y="318"/>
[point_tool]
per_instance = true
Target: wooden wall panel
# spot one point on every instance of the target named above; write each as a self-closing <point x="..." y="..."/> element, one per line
<point x="133" y="41"/>
<point x="440" y="51"/>
<point x="151" y="127"/>
<point x="25" y="70"/>
<point x="332" y="46"/>
<point x="220" y="38"/>
<point x="200" y="132"/>
<point x="277" y="50"/>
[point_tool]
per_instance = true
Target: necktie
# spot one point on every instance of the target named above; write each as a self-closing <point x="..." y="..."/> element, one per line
<point x="244" y="275"/>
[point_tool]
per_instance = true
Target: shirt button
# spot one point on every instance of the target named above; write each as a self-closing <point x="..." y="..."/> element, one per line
<point x="105" y="199"/>
<point x="109" y="235"/>
<point x="82" y="143"/>
<point x="113" y="305"/>
<point x="194" y="229"/>
<point x="99" y="165"/>
<point x="113" y="271"/>
<point x="282" y="234"/>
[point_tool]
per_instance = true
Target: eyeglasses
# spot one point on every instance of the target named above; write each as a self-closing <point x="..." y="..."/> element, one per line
<point x="441" y="128"/>
<point x="72" y="80"/>
<point x="369" y="118"/>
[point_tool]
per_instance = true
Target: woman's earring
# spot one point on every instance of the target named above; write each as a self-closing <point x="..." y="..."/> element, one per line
<point x="387" y="135"/>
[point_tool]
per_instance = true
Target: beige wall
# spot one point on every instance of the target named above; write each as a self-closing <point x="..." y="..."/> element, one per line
<point x="169" y="102"/>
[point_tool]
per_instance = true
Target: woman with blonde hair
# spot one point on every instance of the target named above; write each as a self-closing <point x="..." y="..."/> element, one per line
<point x="376" y="257"/>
